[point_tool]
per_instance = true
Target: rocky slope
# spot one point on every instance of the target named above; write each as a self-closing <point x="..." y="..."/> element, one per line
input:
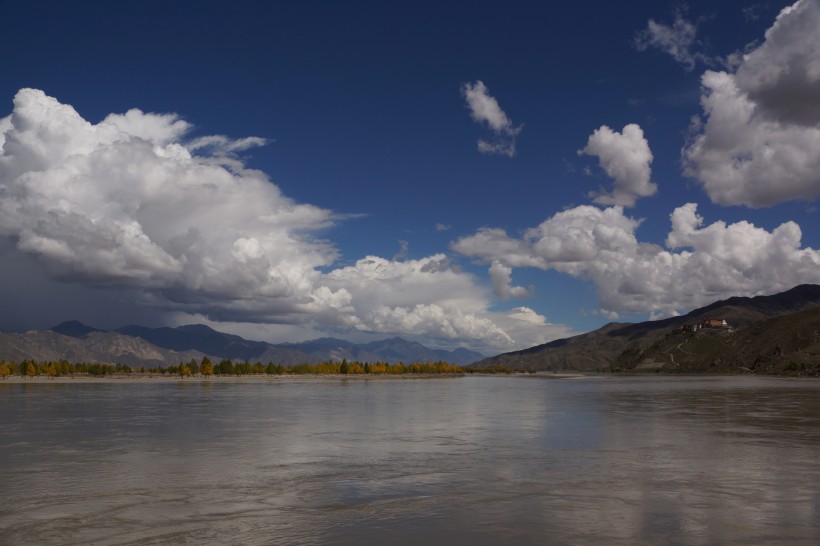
<point x="139" y="346"/>
<point x="599" y="350"/>
<point x="785" y="344"/>
<point x="94" y="346"/>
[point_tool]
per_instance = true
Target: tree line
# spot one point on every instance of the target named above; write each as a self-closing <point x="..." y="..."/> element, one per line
<point x="226" y="367"/>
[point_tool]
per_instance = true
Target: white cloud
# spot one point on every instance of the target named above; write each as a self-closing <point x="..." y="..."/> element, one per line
<point x="782" y="76"/>
<point x="494" y="244"/>
<point x="626" y="158"/>
<point x="701" y="263"/>
<point x="198" y="234"/>
<point x="677" y="40"/>
<point x="501" y="278"/>
<point x="5" y="125"/>
<point x="99" y="205"/>
<point x="610" y="315"/>
<point x="525" y="314"/>
<point x="429" y="297"/>
<point x="225" y="145"/>
<point x="161" y="129"/>
<point x="758" y="144"/>
<point x="531" y="328"/>
<point x="484" y="108"/>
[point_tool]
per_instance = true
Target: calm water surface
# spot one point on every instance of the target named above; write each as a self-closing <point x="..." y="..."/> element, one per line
<point x="480" y="460"/>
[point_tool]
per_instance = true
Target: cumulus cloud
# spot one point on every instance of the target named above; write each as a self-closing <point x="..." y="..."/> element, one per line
<point x="484" y="109"/>
<point x="782" y="76"/>
<point x="626" y="158"/>
<point x="679" y="40"/>
<point x="531" y="328"/>
<point x="501" y="278"/>
<point x="429" y="297"/>
<point x="124" y="203"/>
<point x="700" y="264"/>
<point x="132" y="205"/>
<point x="758" y="144"/>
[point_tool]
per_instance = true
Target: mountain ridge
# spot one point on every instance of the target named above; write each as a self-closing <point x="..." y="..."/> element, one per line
<point x="786" y="344"/>
<point x="599" y="349"/>
<point x="179" y="343"/>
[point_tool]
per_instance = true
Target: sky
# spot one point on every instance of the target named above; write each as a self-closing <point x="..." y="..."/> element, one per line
<point x="485" y="175"/>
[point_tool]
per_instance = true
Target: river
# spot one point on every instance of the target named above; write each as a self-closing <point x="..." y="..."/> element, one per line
<point x="474" y="460"/>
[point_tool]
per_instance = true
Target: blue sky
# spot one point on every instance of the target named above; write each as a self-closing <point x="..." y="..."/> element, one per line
<point x="368" y="121"/>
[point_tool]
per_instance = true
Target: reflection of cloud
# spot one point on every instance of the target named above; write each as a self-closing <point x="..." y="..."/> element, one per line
<point x="700" y="458"/>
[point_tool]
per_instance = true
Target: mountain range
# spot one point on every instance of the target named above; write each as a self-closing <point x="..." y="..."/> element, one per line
<point x="151" y="347"/>
<point x="768" y="334"/>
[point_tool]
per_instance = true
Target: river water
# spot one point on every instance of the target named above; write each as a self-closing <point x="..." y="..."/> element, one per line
<point x="474" y="460"/>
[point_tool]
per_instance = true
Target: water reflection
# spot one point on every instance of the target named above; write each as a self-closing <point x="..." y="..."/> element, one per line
<point x="484" y="460"/>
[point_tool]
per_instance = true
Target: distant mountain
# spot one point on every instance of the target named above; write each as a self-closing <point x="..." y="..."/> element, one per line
<point x="328" y="349"/>
<point x="200" y="338"/>
<point x="74" y="328"/>
<point x="392" y="350"/>
<point x="398" y="349"/>
<point x="209" y="341"/>
<point x="599" y="350"/>
<point x="144" y="346"/>
<point x="93" y="346"/>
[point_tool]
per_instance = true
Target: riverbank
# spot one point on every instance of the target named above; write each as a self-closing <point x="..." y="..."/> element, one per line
<point x="167" y="378"/>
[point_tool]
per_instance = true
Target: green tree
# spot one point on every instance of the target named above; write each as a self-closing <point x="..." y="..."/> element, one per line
<point x="226" y="367"/>
<point x="344" y="368"/>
